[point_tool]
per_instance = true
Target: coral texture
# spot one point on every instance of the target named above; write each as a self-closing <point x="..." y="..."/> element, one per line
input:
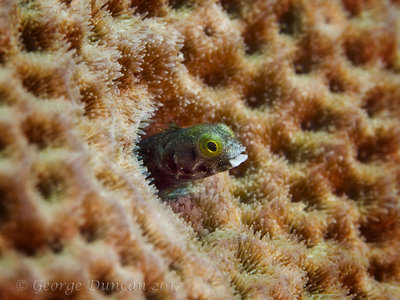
<point x="311" y="88"/>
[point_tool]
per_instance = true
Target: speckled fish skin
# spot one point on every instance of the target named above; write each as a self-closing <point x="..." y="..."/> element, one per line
<point x="176" y="156"/>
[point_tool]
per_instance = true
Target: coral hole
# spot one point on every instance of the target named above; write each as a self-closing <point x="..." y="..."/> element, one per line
<point x="92" y="227"/>
<point x="43" y="132"/>
<point x="36" y="35"/>
<point x="106" y="285"/>
<point x="290" y="21"/>
<point x="52" y="185"/>
<point x="379" y="147"/>
<point x="254" y="36"/>
<point x="265" y="89"/>
<point x="6" y="141"/>
<point x="5" y="48"/>
<point x="232" y="7"/>
<point x="89" y="232"/>
<point x="6" y="200"/>
<point x="372" y="45"/>
<point x="336" y="85"/>
<point x="216" y="78"/>
<point x="56" y="245"/>
<point x="306" y="191"/>
<point x="372" y="103"/>
<point x="316" y="119"/>
<point x="384" y="272"/>
<point x="43" y="82"/>
<point x="303" y="64"/>
<point x="354" y="7"/>
<point x="382" y="100"/>
<point x="257" y="98"/>
<point x="356" y="52"/>
<point x="8" y="96"/>
<point x="381" y="225"/>
<point x="312" y="49"/>
<point x="66" y="2"/>
<point x="177" y="4"/>
<point x="3" y="144"/>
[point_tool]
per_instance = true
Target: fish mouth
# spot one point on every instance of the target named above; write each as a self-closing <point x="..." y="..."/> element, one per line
<point x="237" y="160"/>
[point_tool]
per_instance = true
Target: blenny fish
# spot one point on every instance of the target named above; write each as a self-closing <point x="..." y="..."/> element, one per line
<point x="179" y="156"/>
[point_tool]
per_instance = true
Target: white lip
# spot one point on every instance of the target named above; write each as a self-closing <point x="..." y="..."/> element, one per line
<point x="238" y="160"/>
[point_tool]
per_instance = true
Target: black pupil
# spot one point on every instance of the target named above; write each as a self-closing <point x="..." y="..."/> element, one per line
<point x="212" y="146"/>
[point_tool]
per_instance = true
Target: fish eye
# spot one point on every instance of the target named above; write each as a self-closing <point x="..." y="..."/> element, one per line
<point x="212" y="146"/>
<point x="209" y="146"/>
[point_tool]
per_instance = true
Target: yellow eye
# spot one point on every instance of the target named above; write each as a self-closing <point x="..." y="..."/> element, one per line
<point x="210" y="147"/>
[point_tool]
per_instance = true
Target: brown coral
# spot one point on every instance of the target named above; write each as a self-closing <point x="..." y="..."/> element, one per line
<point x="312" y="88"/>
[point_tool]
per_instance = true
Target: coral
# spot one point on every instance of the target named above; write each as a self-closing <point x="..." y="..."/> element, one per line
<point x="310" y="87"/>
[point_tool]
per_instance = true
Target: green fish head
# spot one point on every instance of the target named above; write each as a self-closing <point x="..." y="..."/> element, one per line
<point x="179" y="155"/>
<point x="214" y="149"/>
